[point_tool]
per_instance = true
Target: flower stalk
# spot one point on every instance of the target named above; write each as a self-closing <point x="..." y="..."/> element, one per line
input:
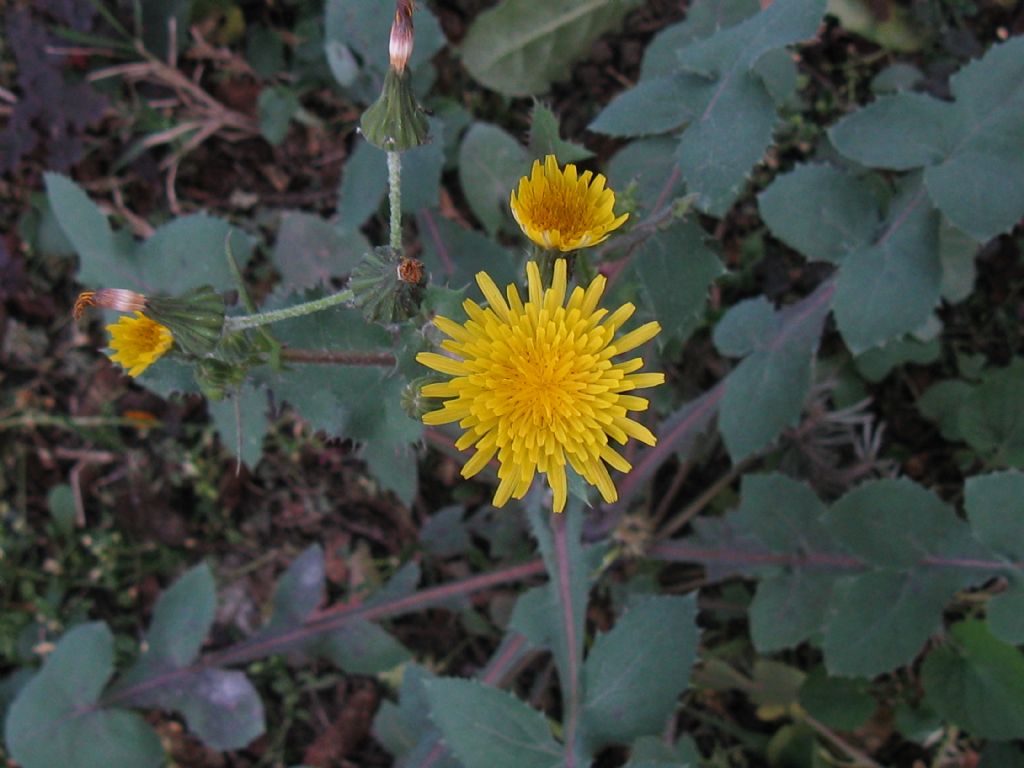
<point x="244" y="322"/>
<point x="395" y="198"/>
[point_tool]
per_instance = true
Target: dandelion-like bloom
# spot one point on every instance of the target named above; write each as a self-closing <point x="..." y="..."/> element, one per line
<point x="562" y="211"/>
<point x="138" y="342"/>
<point x="535" y="384"/>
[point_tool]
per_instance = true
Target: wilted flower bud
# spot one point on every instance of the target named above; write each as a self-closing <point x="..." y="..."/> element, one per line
<point x="119" y="299"/>
<point x="388" y="287"/>
<point x="400" y="45"/>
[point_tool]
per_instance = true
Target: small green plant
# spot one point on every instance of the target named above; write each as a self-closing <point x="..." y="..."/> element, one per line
<point x="818" y="585"/>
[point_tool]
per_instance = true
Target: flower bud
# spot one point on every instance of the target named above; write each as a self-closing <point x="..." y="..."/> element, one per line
<point x="400" y="45"/>
<point x="395" y="122"/>
<point x="388" y="287"/>
<point x="196" y="319"/>
<point x="413" y="401"/>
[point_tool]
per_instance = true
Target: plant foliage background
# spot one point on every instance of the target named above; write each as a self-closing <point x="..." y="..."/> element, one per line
<point x="818" y="564"/>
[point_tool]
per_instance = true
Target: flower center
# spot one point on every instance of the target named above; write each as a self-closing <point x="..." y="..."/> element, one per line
<point x="556" y="210"/>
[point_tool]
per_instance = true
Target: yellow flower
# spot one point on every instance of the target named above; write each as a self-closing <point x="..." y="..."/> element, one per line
<point x="138" y="342"/>
<point x="562" y="211"/>
<point x="535" y="384"/>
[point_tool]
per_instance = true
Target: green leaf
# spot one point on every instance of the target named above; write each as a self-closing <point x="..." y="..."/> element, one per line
<point x="520" y="47"/>
<point x="221" y="707"/>
<point x="748" y="325"/>
<point x="651" y="165"/>
<point x="363" y="648"/>
<point x="488" y="728"/>
<point x="299" y="590"/>
<point x="875" y="364"/>
<point x="310" y="251"/>
<point x="55" y="720"/>
<point x="454" y="254"/>
<point x="895" y="523"/>
<point x="995" y="509"/>
<point x="992" y="416"/>
<point x="182" y="618"/>
<point x="252" y="410"/>
<point x="89" y="232"/>
<point x="188" y="252"/>
<point x="703" y="19"/>
<point x="653" y="106"/>
<point x="972" y="149"/>
<point x="880" y="620"/>
<point x="977" y="682"/>
<point x="898" y="132"/>
<point x="406" y="730"/>
<point x="821" y="211"/>
<point x="491" y="163"/>
<point x="634" y="674"/>
<point x="837" y="702"/>
<point x="765" y="393"/>
<point x="941" y="403"/>
<point x="421" y="171"/>
<point x="364" y="183"/>
<point x="545" y="138"/>
<point x="395" y="465"/>
<point x="735" y="113"/>
<point x="890" y="287"/>
<point x="956" y="252"/>
<point x="675" y="270"/>
<point x="444" y="533"/>
<point x="277" y="105"/>
<point x="790" y="605"/>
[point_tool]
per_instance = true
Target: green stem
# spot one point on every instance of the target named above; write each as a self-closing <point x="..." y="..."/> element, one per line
<point x="242" y="322"/>
<point x="395" y="198"/>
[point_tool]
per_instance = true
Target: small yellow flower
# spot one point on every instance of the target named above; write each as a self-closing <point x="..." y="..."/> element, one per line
<point x="535" y="384"/>
<point x="138" y="342"/>
<point x="562" y="211"/>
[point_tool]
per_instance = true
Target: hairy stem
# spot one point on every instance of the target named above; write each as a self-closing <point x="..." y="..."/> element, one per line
<point x="243" y="322"/>
<point x="395" y="198"/>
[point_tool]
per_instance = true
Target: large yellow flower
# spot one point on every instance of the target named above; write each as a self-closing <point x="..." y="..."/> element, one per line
<point x="535" y="384"/>
<point x="138" y="342"/>
<point x="562" y="211"/>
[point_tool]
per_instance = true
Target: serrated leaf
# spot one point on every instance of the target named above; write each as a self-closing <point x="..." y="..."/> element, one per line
<point x="675" y="270"/>
<point x="788" y="608"/>
<point x="895" y="523"/>
<point x="703" y="19"/>
<point x="634" y="674"/>
<point x="545" y="137"/>
<point x="395" y="465"/>
<point x="735" y="113"/>
<point x="972" y="149"/>
<point x="251" y="417"/>
<point x="821" y="211"/>
<point x="941" y="403"/>
<point x="765" y="393"/>
<point x="55" y="720"/>
<point x="309" y="251"/>
<point x="444" y="533"/>
<point x="488" y="728"/>
<point x="890" y="288"/>
<point x="490" y="165"/>
<point x="520" y="47"/>
<point x="977" y="682"/>
<point x="188" y="252"/>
